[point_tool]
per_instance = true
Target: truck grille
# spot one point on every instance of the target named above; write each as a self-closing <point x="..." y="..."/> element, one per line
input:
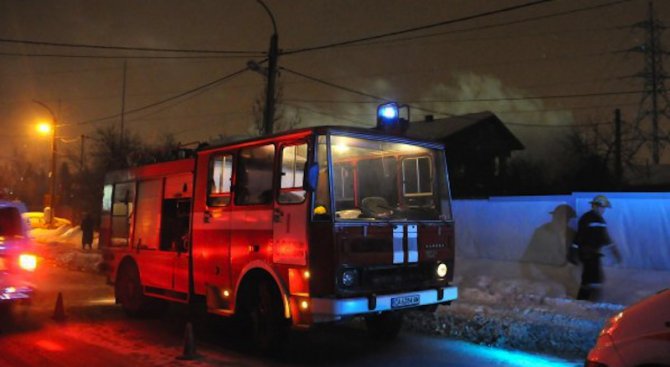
<point x="392" y="279"/>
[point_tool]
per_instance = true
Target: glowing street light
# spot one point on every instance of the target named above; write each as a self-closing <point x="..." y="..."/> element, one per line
<point x="46" y="128"/>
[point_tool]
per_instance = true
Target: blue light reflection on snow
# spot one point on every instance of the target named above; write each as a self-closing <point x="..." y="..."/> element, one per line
<point x="511" y="358"/>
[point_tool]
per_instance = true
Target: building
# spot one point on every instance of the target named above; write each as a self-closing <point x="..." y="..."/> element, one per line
<point x="478" y="147"/>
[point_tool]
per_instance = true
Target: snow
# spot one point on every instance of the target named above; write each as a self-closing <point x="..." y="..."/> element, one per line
<point x="518" y="314"/>
<point x="507" y="304"/>
<point x="63" y="246"/>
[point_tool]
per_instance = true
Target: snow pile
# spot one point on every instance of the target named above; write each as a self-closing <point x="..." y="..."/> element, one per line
<point x="62" y="245"/>
<point x="517" y="314"/>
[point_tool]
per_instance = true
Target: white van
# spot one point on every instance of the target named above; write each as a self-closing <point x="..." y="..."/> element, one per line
<point x="637" y="336"/>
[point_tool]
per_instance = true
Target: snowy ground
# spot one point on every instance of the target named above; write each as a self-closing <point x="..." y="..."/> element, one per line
<point x="519" y="310"/>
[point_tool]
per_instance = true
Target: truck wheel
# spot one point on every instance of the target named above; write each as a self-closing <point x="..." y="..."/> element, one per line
<point x="384" y="326"/>
<point x="269" y="328"/>
<point x="128" y="291"/>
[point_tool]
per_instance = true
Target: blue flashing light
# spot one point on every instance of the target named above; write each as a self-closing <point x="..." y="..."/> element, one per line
<point x="387" y="114"/>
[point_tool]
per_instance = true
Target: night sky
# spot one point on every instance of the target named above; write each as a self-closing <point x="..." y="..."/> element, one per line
<point x="558" y="48"/>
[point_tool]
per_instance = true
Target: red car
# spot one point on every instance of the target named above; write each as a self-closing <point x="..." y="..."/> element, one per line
<point x="637" y="336"/>
<point x="17" y="258"/>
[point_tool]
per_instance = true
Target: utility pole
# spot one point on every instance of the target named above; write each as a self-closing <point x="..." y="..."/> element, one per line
<point x="81" y="153"/>
<point x="273" y="56"/>
<point x="54" y="155"/>
<point x="654" y="88"/>
<point x="123" y="103"/>
<point x="618" y="168"/>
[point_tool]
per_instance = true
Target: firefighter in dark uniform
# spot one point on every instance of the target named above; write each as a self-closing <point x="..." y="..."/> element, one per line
<point x="592" y="236"/>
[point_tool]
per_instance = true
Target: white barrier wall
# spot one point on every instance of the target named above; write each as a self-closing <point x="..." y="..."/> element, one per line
<point x="530" y="229"/>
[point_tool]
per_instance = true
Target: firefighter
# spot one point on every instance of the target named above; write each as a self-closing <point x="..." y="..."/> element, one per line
<point x="592" y="236"/>
<point x="87" y="231"/>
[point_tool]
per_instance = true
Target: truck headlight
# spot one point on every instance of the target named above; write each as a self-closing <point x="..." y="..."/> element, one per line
<point x="349" y="277"/>
<point x="28" y="262"/>
<point x="441" y="270"/>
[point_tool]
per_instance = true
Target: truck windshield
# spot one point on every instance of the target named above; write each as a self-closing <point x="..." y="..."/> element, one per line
<point x="378" y="180"/>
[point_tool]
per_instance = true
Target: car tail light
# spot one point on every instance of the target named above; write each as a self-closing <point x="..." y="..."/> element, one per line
<point x="28" y="262"/>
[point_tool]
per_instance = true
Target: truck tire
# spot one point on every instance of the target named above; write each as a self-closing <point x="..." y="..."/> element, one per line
<point x="268" y="326"/>
<point x="129" y="293"/>
<point x="384" y="326"/>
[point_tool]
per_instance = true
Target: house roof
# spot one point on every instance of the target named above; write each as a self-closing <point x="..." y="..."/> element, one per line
<point x="460" y="130"/>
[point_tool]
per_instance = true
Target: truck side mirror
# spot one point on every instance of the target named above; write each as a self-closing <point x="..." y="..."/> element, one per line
<point x="311" y="177"/>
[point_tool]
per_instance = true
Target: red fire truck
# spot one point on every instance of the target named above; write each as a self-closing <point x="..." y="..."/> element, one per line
<point x="303" y="227"/>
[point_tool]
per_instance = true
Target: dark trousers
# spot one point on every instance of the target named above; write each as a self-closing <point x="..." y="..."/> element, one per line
<point x="590" y="287"/>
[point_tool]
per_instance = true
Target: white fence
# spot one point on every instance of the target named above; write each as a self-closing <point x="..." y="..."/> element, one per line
<point x="524" y="228"/>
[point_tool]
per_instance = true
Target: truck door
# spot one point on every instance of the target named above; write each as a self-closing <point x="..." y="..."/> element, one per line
<point x="251" y="237"/>
<point x="175" y="229"/>
<point x="212" y="224"/>
<point x="289" y="216"/>
<point x="156" y="265"/>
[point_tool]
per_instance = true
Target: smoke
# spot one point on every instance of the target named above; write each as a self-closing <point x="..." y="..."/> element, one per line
<point x="528" y="119"/>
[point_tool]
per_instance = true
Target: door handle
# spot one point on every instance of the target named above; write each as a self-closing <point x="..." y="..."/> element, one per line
<point x="276" y="215"/>
<point x="206" y="216"/>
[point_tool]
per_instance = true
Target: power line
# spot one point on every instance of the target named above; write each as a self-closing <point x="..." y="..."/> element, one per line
<point x="337" y="117"/>
<point x="529" y="111"/>
<point x="503" y="24"/>
<point x="333" y="85"/>
<point x="500" y="99"/>
<point x="127" y="48"/>
<point x="130" y="57"/>
<point x="521" y="124"/>
<point x="518" y="124"/>
<point x="416" y="29"/>
<point x="175" y="97"/>
<point x="450" y="114"/>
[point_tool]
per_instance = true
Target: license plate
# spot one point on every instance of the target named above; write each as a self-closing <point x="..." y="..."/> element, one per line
<point x="405" y="301"/>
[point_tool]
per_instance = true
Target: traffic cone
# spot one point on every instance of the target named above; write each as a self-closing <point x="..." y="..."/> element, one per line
<point x="59" y="310"/>
<point x="189" y="344"/>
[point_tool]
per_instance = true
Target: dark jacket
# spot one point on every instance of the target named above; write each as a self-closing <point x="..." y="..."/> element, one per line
<point x="87" y="229"/>
<point x="592" y="235"/>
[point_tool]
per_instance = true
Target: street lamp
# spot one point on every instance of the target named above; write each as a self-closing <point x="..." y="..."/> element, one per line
<point x="50" y="128"/>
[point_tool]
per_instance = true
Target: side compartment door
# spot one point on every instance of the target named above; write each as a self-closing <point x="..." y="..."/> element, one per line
<point x="290" y="209"/>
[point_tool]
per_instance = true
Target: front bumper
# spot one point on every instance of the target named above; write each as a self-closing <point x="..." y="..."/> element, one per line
<point x="329" y="309"/>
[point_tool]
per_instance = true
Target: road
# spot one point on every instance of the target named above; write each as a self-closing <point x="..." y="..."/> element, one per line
<point x="97" y="333"/>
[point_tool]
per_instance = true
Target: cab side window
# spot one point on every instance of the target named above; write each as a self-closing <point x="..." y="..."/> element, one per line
<point x="220" y="175"/>
<point x="293" y="160"/>
<point x="253" y="184"/>
<point x="122" y="212"/>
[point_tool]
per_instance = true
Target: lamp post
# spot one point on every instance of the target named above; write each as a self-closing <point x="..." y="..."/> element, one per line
<point x="45" y="128"/>
<point x="273" y="55"/>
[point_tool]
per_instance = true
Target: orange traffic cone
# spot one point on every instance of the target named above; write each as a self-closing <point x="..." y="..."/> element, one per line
<point x="189" y="344"/>
<point x="59" y="310"/>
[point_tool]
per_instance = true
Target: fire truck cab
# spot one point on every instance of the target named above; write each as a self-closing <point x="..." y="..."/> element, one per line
<point x="303" y="227"/>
